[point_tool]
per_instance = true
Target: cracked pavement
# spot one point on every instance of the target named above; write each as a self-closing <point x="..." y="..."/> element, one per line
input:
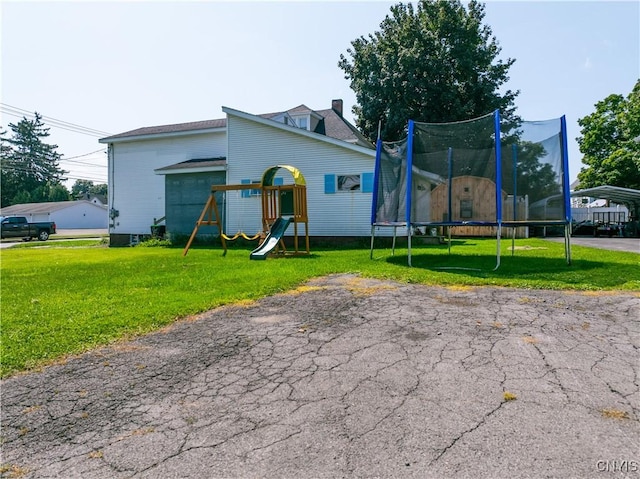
<point x="347" y="377"/>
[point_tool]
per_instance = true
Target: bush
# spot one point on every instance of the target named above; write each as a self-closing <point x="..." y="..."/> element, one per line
<point x="154" y="242"/>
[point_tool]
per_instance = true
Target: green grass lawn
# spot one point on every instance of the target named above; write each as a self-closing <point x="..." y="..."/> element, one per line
<point x="67" y="298"/>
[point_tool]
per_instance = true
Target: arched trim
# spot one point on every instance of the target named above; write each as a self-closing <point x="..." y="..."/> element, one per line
<point x="270" y="173"/>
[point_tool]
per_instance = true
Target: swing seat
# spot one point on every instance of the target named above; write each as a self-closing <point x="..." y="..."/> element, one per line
<point x="251" y="238"/>
<point x="230" y="238"/>
<point x="243" y="234"/>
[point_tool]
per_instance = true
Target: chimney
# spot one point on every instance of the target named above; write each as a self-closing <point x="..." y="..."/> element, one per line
<point x="336" y="105"/>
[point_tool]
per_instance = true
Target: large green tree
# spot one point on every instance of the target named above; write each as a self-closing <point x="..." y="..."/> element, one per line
<point x="610" y="142"/>
<point x="87" y="187"/>
<point x="29" y="167"/>
<point x="434" y="63"/>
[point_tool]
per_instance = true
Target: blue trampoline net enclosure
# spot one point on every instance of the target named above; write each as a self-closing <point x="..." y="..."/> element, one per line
<point x="480" y="173"/>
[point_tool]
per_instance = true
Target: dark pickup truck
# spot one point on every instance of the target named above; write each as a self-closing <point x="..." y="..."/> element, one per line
<point x="19" y="227"/>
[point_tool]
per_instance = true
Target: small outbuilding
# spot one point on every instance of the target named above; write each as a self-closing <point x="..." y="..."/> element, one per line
<point x="80" y="214"/>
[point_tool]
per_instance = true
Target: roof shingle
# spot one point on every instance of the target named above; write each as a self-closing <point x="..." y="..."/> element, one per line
<point x="174" y="128"/>
<point x="332" y="125"/>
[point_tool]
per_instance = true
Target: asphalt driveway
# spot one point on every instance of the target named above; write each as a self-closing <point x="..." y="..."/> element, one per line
<point x="631" y="245"/>
<point x="347" y="377"/>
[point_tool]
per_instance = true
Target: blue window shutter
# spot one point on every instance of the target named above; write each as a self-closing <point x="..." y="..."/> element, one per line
<point x="246" y="193"/>
<point x="366" y="183"/>
<point x="278" y="180"/>
<point x="329" y="184"/>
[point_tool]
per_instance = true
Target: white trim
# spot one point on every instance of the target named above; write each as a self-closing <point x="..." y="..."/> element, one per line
<point x="299" y="131"/>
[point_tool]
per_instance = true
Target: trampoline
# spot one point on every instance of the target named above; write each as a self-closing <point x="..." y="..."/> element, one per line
<point x="479" y="177"/>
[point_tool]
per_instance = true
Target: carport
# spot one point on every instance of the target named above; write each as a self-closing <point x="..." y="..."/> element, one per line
<point x="623" y="196"/>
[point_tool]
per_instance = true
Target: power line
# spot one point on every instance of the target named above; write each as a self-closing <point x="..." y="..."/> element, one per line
<point x="86" y="154"/>
<point x="77" y="162"/>
<point x="91" y="176"/>
<point x="85" y="163"/>
<point x="57" y="126"/>
<point x="53" y="122"/>
<point x="64" y="125"/>
<point x="61" y="123"/>
<point x="86" y="178"/>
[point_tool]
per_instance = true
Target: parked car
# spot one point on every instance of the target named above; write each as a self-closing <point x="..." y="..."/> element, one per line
<point x="19" y="227"/>
<point x="583" y="228"/>
<point x="609" y="230"/>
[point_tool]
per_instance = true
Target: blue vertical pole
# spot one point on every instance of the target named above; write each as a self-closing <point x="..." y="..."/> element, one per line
<point x="409" y="173"/>
<point x="565" y="170"/>
<point x="498" y="148"/>
<point x="376" y="179"/>
<point x="450" y="183"/>
<point x="565" y="187"/>
<point x="409" y="188"/>
<point x="514" y="150"/>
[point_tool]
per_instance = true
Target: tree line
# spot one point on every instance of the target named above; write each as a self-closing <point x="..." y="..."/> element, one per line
<point x="30" y="167"/>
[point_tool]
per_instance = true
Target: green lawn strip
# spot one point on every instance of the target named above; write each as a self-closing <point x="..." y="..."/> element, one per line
<point x="71" y="243"/>
<point x="60" y="301"/>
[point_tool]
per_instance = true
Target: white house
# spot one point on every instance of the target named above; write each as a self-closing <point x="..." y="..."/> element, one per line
<point x="166" y="172"/>
<point x="80" y="214"/>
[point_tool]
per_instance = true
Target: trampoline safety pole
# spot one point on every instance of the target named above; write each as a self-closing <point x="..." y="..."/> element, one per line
<point x="373" y="232"/>
<point x="374" y="194"/>
<point x="499" y="234"/>
<point x="514" y="151"/>
<point x="409" y="188"/>
<point x="566" y="187"/>
<point x="498" y="151"/>
<point x="393" y="243"/>
<point x="449" y="183"/>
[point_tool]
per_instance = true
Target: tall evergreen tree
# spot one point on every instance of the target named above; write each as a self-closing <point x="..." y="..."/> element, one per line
<point x="436" y="63"/>
<point x="27" y="162"/>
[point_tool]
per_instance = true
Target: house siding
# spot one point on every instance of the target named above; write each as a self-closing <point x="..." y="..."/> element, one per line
<point x="254" y="147"/>
<point x="135" y="191"/>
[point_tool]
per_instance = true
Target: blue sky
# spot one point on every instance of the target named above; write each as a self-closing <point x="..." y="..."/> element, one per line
<point x="115" y="66"/>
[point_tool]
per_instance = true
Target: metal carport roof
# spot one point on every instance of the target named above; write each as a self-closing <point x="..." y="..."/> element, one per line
<point x="623" y="196"/>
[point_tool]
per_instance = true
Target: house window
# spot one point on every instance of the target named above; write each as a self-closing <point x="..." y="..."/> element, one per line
<point x="277" y="181"/>
<point x="252" y="192"/>
<point x="348" y="182"/>
<point x="343" y="183"/>
<point x="303" y="123"/>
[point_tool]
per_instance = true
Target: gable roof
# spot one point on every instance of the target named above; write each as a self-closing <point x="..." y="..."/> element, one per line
<point x="339" y="128"/>
<point x="369" y="149"/>
<point x="331" y="124"/>
<point x="299" y="109"/>
<point x="149" y="132"/>
<point x="42" y="208"/>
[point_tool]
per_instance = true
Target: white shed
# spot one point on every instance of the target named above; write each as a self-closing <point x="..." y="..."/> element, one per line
<point x="80" y="214"/>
